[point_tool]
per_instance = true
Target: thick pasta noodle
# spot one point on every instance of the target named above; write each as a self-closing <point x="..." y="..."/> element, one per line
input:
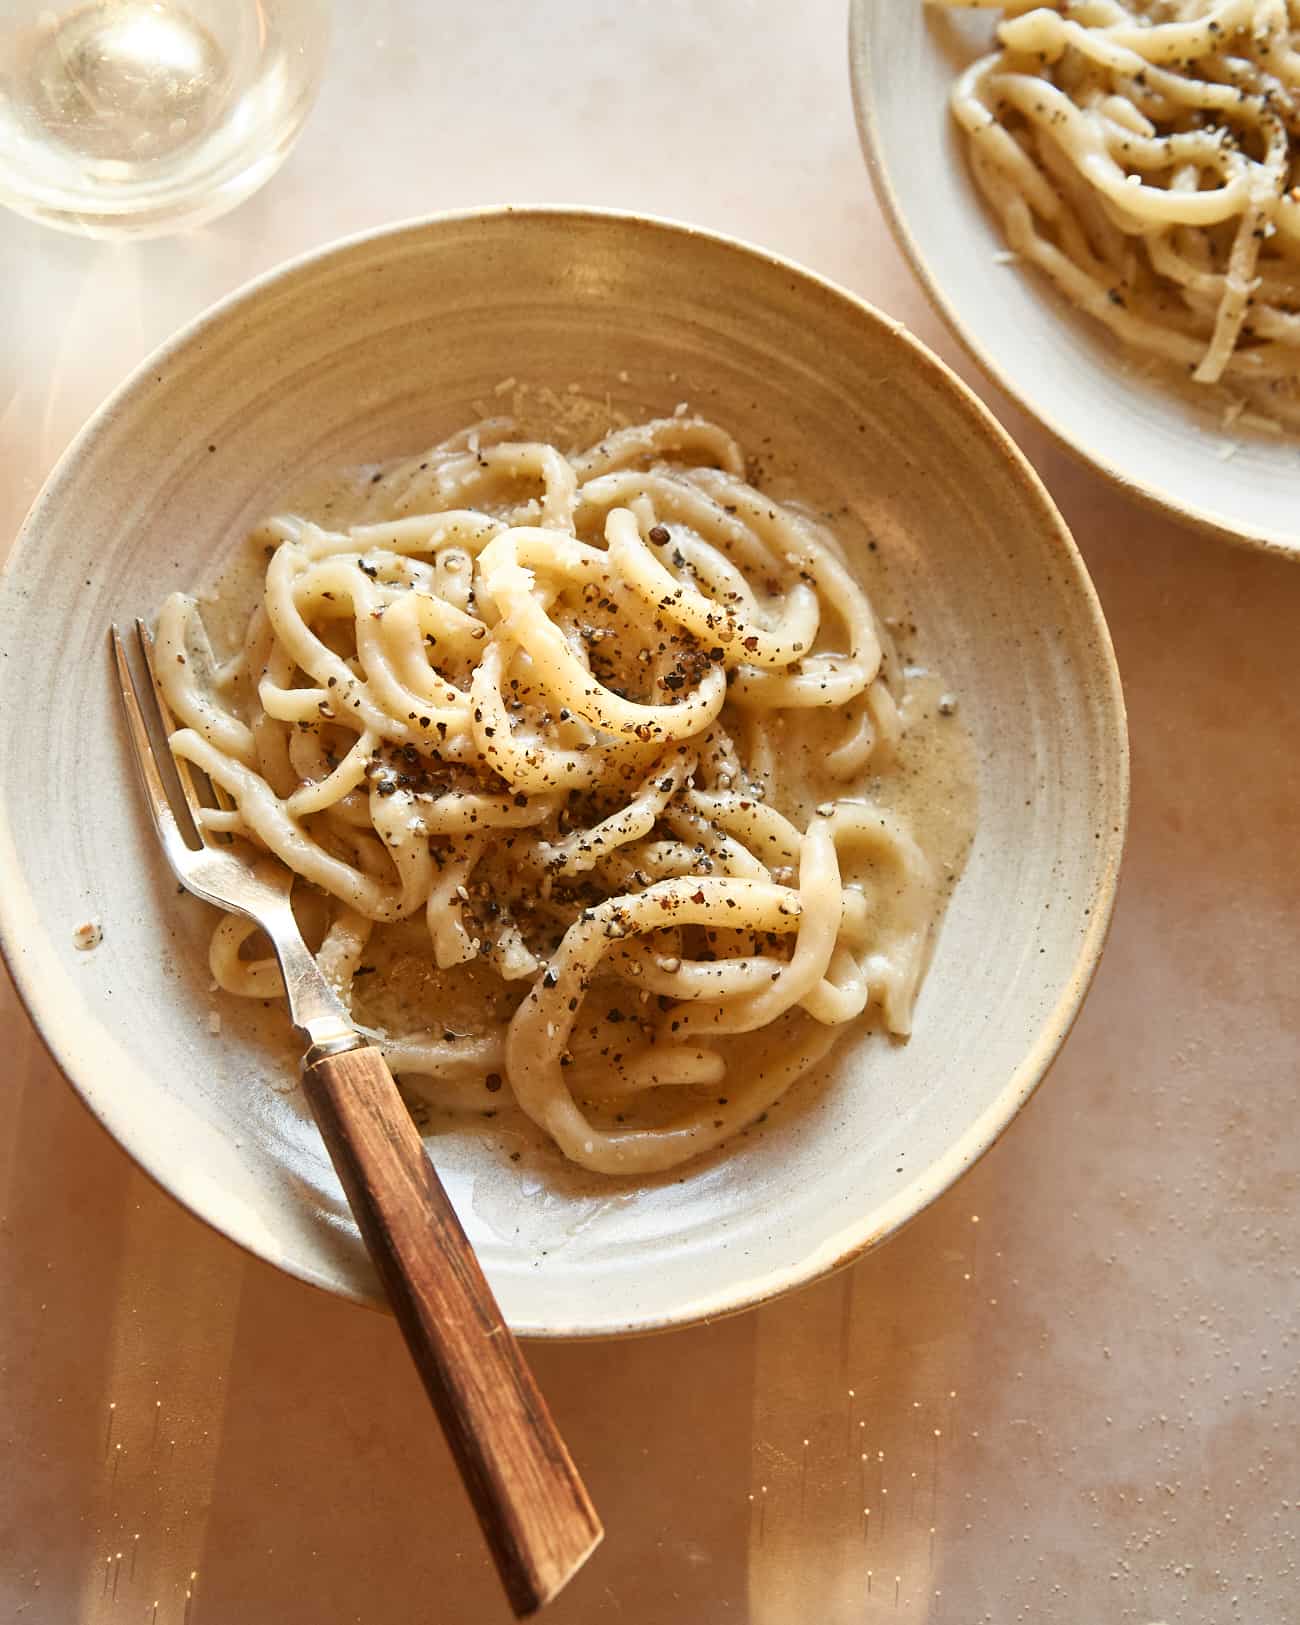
<point x="1143" y="154"/>
<point x="525" y="709"/>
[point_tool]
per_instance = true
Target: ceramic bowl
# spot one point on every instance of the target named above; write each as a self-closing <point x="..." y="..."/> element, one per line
<point x="380" y="345"/>
<point x="1153" y="439"/>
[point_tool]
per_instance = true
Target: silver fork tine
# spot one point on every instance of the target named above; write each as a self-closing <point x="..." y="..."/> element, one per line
<point x="220" y="875"/>
<point x="183" y="770"/>
<point x="160" y="807"/>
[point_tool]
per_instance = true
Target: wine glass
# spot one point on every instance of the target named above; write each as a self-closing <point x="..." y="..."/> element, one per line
<point x="141" y="117"/>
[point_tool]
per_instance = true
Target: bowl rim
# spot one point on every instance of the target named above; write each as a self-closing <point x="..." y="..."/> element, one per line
<point x="860" y="36"/>
<point x="856" y="1238"/>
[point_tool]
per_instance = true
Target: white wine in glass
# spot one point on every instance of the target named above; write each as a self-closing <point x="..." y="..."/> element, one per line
<point x="139" y="117"/>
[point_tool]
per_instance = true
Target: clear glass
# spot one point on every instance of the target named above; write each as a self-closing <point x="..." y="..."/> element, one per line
<point x="140" y="117"/>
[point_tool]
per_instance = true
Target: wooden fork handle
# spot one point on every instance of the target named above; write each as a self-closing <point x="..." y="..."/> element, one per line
<point x="535" y="1512"/>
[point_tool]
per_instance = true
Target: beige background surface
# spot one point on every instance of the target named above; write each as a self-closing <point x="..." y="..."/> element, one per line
<point x="1066" y="1393"/>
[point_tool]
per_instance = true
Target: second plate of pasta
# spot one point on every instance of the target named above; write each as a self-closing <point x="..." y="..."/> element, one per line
<point x="1101" y="200"/>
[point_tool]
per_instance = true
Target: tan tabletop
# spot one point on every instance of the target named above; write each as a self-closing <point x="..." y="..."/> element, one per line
<point x="1067" y="1393"/>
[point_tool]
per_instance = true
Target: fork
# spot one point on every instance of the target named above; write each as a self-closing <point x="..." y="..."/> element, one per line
<point x="535" y="1512"/>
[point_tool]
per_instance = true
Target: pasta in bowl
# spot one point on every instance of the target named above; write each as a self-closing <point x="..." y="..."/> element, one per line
<point x="943" y="587"/>
<point x="603" y="723"/>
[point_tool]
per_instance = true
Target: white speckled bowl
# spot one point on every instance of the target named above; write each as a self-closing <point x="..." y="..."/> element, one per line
<point x="1070" y="374"/>
<point x="378" y="346"/>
